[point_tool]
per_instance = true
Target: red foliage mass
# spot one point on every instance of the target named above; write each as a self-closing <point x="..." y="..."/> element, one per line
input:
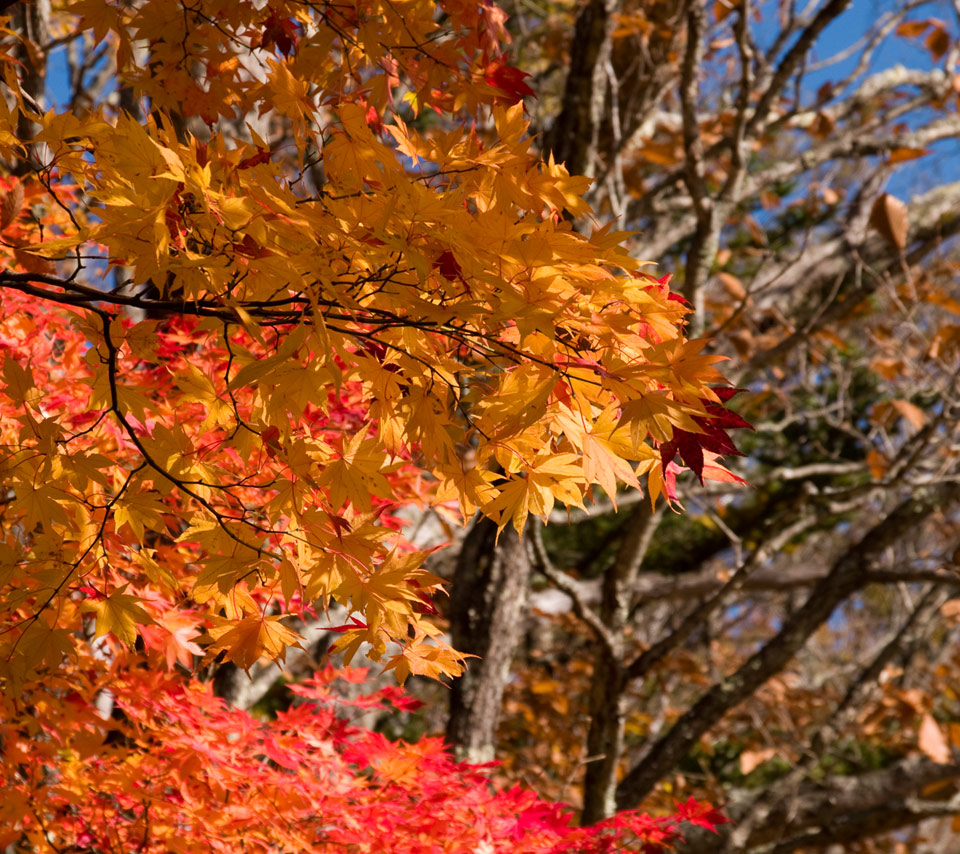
<point x="177" y="770"/>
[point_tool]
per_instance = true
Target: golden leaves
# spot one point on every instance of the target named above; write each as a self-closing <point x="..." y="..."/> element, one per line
<point x="118" y="614"/>
<point x="20" y="387"/>
<point x="656" y="414"/>
<point x="289" y="93"/>
<point x="356" y="474"/>
<point x="413" y="323"/>
<point x="426" y="659"/>
<point x="387" y="594"/>
<point x="605" y="448"/>
<point x="470" y="487"/>
<point x="247" y="640"/>
<point x="548" y="478"/>
<point x="518" y="401"/>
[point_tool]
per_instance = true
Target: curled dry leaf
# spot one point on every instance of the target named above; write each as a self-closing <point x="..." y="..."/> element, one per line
<point x="822" y="125"/>
<point x="951" y="610"/>
<point x="889" y="217"/>
<point x="751" y="759"/>
<point x="938" y="43"/>
<point x="911" y="412"/>
<point x="911" y="29"/>
<point x="901" y="155"/>
<point x="932" y="741"/>
<point x="732" y="285"/>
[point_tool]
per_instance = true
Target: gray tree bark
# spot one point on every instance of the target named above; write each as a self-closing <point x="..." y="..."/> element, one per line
<point x="487" y="606"/>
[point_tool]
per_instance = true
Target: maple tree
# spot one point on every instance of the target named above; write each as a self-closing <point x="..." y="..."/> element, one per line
<point x="296" y="268"/>
<point x="424" y="312"/>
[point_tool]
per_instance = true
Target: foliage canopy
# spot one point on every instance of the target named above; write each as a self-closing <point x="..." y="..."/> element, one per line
<point x="301" y="267"/>
<point x="349" y="315"/>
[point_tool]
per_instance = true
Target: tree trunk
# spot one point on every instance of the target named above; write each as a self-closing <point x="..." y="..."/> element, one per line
<point x="607" y="713"/>
<point x="487" y="604"/>
<point x="573" y="136"/>
<point x="31" y="21"/>
<point x="604" y="739"/>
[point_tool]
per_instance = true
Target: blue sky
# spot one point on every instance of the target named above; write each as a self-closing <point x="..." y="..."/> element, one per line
<point x="915" y="176"/>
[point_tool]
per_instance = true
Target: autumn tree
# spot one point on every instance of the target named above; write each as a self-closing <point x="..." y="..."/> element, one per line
<point x="791" y="648"/>
<point x="275" y="277"/>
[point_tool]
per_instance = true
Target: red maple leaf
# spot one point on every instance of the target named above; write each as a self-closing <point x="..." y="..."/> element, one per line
<point x="714" y="438"/>
<point x="280" y="33"/>
<point x="700" y="813"/>
<point x="508" y="79"/>
<point x="448" y="266"/>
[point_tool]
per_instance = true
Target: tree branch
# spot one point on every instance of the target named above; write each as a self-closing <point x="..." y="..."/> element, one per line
<point x="566" y="584"/>
<point x="844" y="808"/>
<point x="791" y="62"/>
<point x="777" y="579"/>
<point x="846" y="576"/>
<point x="647" y="660"/>
<point x="755" y="819"/>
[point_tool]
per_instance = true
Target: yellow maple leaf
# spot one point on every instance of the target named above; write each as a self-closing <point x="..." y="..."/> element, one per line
<point x="426" y="659"/>
<point x="356" y="474"/>
<point x="471" y="488"/>
<point x="118" y="614"/>
<point x="656" y="414"/>
<point x="549" y="478"/>
<point x="248" y="640"/>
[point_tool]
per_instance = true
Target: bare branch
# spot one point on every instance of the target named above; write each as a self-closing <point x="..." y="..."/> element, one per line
<point x="778" y="579"/>
<point x="754" y="821"/>
<point x="647" y="660"/>
<point x="792" y="61"/>
<point x="568" y="585"/>
<point x="846" y="576"/>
